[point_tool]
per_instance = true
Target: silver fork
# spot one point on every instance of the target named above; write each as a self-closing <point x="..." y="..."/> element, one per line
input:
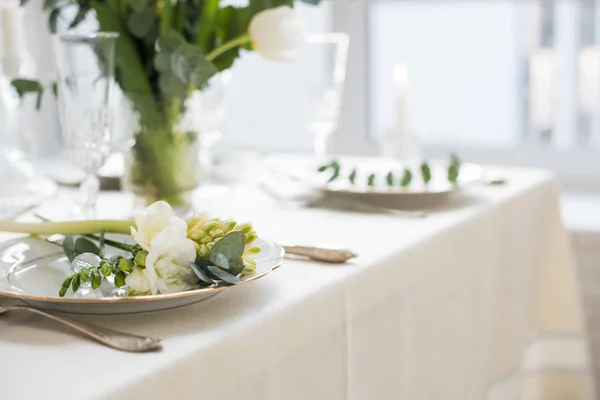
<point x="109" y="337"/>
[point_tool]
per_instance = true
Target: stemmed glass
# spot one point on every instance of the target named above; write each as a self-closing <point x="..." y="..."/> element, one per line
<point x="328" y="52"/>
<point x="85" y="67"/>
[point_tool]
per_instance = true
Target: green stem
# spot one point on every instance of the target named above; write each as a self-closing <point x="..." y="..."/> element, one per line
<point x="67" y="227"/>
<point x="239" y="41"/>
<point x="112" y="243"/>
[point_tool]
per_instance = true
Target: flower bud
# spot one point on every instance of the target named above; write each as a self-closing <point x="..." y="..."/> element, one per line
<point x="76" y="283"/>
<point x="254" y="250"/>
<point x="205" y="239"/>
<point x="140" y="258"/>
<point x="251" y="237"/>
<point x="126" y="264"/>
<point x="105" y="268"/>
<point x="65" y="286"/>
<point x="84" y="274"/>
<point x="227" y="225"/>
<point x="210" y="225"/>
<point x="246" y="227"/>
<point x="217" y="233"/>
<point x="197" y="235"/>
<point x="120" y="279"/>
<point x="96" y="279"/>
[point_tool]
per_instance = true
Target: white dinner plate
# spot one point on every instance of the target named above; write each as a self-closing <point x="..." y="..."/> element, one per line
<point x="417" y="193"/>
<point x="32" y="270"/>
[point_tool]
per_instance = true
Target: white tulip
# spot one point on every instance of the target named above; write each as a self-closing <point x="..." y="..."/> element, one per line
<point x="157" y="218"/>
<point x="277" y="33"/>
<point x="168" y="262"/>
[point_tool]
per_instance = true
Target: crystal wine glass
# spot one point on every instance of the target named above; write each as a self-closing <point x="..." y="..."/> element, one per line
<point x="328" y="52"/>
<point x="85" y="66"/>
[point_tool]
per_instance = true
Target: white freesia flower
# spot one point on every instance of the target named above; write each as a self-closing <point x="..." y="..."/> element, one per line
<point x="168" y="263"/>
<point x="138" y="281"/>
<point x="277" y="33"/>
<point x="158" y="217"/>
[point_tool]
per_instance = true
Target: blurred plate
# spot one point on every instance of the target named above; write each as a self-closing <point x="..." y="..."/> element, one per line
<point x="439" y="186"/>
<point x="32" y="270"/>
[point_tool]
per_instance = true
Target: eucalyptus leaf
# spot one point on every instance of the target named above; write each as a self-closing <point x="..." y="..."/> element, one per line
<point x="140" y="23"/>
<point x="170" y="41"/>
<point x="162" y="62"/>
<point x="138" y="5"/>
<point x="227" y="252"/>
<point x="223" y="275"/>
<point x="83" y="245"/>
<point x="189" y="65"/>
<point x="200" y="273"/>
<point x="69" y="247"/>
<point x="172" y="86"/>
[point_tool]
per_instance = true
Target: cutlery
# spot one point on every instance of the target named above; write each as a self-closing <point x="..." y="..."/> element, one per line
<point x="325" y="252"/>
<point x="109" y="337"/>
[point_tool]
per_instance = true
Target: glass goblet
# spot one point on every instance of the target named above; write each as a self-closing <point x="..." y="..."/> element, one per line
<point x="85" y="67"/>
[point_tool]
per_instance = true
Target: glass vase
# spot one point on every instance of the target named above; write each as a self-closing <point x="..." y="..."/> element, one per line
<point x="167" y="145"/>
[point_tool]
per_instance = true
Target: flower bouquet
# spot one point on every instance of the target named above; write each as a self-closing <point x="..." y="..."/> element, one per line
<point x="167" y="52"/>
<point x="166" y="254"/>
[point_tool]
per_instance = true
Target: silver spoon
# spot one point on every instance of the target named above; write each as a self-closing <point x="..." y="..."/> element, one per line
<point x="109" y="337"/>
<point x="325" y="252"/>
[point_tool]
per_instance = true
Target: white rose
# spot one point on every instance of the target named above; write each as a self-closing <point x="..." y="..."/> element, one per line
<point x="168" y="262"/>
<point x="158" y="217"/>
<point x="277" y="33"/>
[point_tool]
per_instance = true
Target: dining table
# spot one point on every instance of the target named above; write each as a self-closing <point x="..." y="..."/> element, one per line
<point x="478" y="300"/>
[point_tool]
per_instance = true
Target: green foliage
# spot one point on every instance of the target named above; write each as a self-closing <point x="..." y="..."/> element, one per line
<point x="406" y="178"/>
<point x="227" y="252"/>
<point x="25" y="86"/>
<point x="69" y="247"/>
<point x="425" y="172"/>
<point x="83" y="245"/>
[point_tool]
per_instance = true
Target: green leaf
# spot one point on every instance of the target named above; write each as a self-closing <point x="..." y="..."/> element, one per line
<point x="425" y="172"/>
<point x="53" y="20"/>
<point x="208" y="19"/>
<point x="352" y="176"/>
<point x="120" y="279"/>
<point x="69" y="247"/>
<point x="371" y="180"/>
<point x="24" y="86"/>
<point x="83" y="245"/>
<point x="140" y="23"/>
<point x="223" y="275"/>
<point x="84" y="274"/>
<point x="406" y="178"/>
<point x="227" y="252"/>
<point x="200" y="273"/>
<point x="172" y="86"/>
<point x="189" y="65"/>
<point x="65" y="286"/>
<point x="390" y="178"/>
<point x="50" y="4"/>
<point x="162" y="62"/>
<point x="138" y="5"/>
<point x="169" y="41"/>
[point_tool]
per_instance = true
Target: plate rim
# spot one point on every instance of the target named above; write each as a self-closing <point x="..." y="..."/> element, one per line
<point x="146" y="298"/>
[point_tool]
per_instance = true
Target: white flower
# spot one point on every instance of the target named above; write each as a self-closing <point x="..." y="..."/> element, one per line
<point x="138" y="281"/>
<point x="277" y="33"/>
<point x="168" y="263"/>
<point x="158" y="217"/>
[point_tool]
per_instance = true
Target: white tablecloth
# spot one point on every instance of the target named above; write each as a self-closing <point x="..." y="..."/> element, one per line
<point x="477" y="301"/>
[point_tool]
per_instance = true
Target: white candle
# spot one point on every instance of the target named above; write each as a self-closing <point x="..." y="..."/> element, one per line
<point x="589" y="79"/>
<point x="13" y="49"/>
<point x="401" y="132"/>
<point x="542" y="90"/>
